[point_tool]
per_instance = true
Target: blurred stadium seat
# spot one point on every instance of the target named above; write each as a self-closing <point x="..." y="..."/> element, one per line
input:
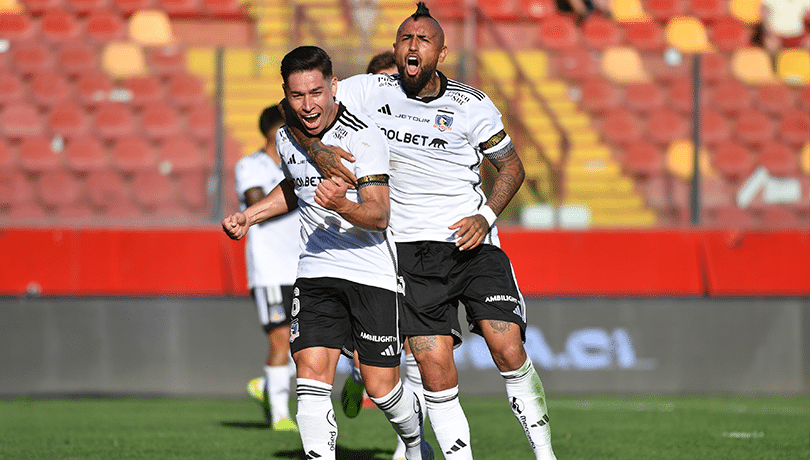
<point x="731" y="96"/>
<point x="746" y="11"/>
<point x="645" y="36"/>
<point x="753" y="127"/>
<point x="122" y="60"/>
<point x="599" y="32"/>
<point x="68" y="120"/>
<point x="105" y="188"/>
<point x="36" y="155"/>
<point x="8" y="157"/>
<point x="558" y="32"/>
<point x="774" y="99"/>
<point x="181" y="8"/>
<point x="150" y="28"/>
<point x="77" y="57"/>
<point x="620" y="126"/>
<point x="166" y="61"/>
<point x="623" y="65"/>
<point x="644" y="159"/>
<point x="193" y="189"/>
<point x="12" y="89"/>
<point x="113" y="120"/>
<point x="628" y="11"/>
<point x="688" y="35"/>
<point x="160" y="121"/>
<point x="226" y="8"/>
<point x="104" y="26"/>
<point x="58" y="188"/>
<point x="538" y="9"/>
<point x="664" y="10"/>
<point x="644" y="97"/>
<point x="714" y="127"/>
<point x="577" y="64"/>
<point x="133" y="153"/>
<point x="58" y="25"/>
<point x="779" y="159"/>
<point x="804" y="160"/>
<point x="180" y="154"/>
<point x="794" y="127"/>
<point x="93" y="88"/>
<point x="753" y="66"/>
<point x="86" y="153"/>
<point x="665" y="126"/>
<point x="146" y="89"/>
<point x="729" y="34"/>
<point x="734" y="160"/>
<point x="17" y="27"/>
<point x="680" y="160"/>
<point x="85" y="7"/>
<point x="20" y="119"/>
<point x="15" y="188"/>
<point x="30" y="57"/>
<point x="152" y="189"/>
<point x="40" y="7"/>
<point x="714" y="68"/>
<point x="707" y="10"/>
<point x="201" y="120"/>
<point x="600" y="95"/>
<point x="129" y="7"/>
<point x="49" y="88"/>
<point x="186" y="90"/>
<point x="793" y="66"/>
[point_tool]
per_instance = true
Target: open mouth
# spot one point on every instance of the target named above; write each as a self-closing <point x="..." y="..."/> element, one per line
<point x="412" y="65"/>
<point x="310" y="120"/>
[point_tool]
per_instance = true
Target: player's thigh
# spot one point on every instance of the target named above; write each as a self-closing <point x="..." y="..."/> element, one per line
<point x="320" y="316"/>
<point x="375" y="325"/>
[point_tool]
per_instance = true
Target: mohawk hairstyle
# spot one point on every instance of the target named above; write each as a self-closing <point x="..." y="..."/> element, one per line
<point x="422" y="11"/>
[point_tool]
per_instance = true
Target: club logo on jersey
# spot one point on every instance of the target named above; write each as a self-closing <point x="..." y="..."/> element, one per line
<point x="438" y="143"/>
<point x="294" y="333"/>
<point x="444" y="122"/>
<point x="517" y="405"/>
<point x="385" y="110"/>
<point x="340" y="132"/>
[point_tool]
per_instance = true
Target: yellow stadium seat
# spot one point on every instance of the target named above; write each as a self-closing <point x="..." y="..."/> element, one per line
<point x="622" y="64"/>
<point x="804" y="161"/>
<point x="628" y="11"/>
<point x="151" y="28"/>
<point x="123" y="60"/>
<point x="746" y="11"/>
<point x="793" y="66"/>
<point x="680" y="158"/>
<point x="688" y="35"/>
<point x="10" y="6"/>
<point x="753" y="66"/>
<point x="533" y="63"/>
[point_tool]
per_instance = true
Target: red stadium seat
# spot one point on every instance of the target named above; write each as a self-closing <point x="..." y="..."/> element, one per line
<point x="224" y="9"/>
<point x="93" y="88"/>
<point x="729" y="34"/>
<point x="30" y="57"/>
<point x="186" y="90"/>
<point x="11" y="89"/>
<point x="794" y="127"/>
<point x="86" y="153"/>
<point x="36" y="154"/>
<point x="50" y="88"/>
<point x="124" y="210"/>
<point x="681" y="96"/>
<point x="779" y="159"/>
<point x="804" y="98"/>
<point x="731" y="96"/>
<point x="642" y="158"/>
<point x="77" y="57"/>
<point x="14" y="187"/>
<point x="620" y="126"/>
<point x="497" y="10"/>
<point x="714" y="194"/>
<point x="30" y="210"/>
<point x="733" y="159"/>
<point x="69" y="120"/>
<point x="128" y="7"/>
<point x="160" y="121"/>
<point x="599" y="32"/>
<point x="665" y="125"/>
<point x="714" y="127"/>
<point x="774" y="99"/>
<point x="201" y="120"/>
<point x="60" y="26"/>
<point x="8" y="157"/>
<point x="731" y="216"/>
<point x="708" y="10"/>
<point x="58" y="188"/>
<point x="599" y="95"/>
<point x="645" y="36"/>
<point x="78" y="211"/>
<point x="578" y="64"/>
<point x="559" y="32"/>
<point x="85" y="7"/>
<point x="18" y="27"/>
<point x="152" y="189"/>
<point x="664" y="71"/>
<point x="40" y="7"/>
<point x="182" y="8"/>
<point x="133" y="153"/>
<point x="753" y="127"/>
<point x="166" y="61"/>
<point x="181" y="153"/>
<point x="193" y="189"/>
<point x="775" y="216"/>
<point x="113" y="120"/>
<point x="644" y="97"/>
<point x="664" y="10"/>
<point x="104" y="26"/>
<point x="19" y="120"/>
<point x="105" y="188"/>
<point x="666" y="194"/>
<point x="537" y="9"/>
<point x="145" y="90"/>
<point x="714" y="68"/>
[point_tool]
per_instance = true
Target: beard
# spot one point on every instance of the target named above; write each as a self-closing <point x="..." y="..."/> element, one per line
<point x="413" y="85"/>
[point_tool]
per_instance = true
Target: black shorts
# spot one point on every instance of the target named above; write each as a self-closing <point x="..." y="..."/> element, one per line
<point x="274" y="305"/>
<point x="340" y="314"/>
<point x="438" y="276"/>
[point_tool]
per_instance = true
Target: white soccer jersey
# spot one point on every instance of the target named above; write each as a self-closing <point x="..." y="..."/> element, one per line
<point x="437" y="147"/>
<point x="271" y="251"/>
<point x="332" y="246"/>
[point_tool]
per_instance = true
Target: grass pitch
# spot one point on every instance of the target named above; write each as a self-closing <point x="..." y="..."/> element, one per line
<point x="588" y="428"/>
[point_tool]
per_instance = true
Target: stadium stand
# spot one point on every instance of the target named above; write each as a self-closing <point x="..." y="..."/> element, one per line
<point x="86" y="153"/>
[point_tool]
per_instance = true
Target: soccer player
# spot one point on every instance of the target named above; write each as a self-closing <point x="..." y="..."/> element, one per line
<point x="346" y="286"/>
<point x="439" y="131"/>
<point x="271" y="263"/>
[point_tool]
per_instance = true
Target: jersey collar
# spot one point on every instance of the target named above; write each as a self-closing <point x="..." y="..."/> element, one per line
<point x="442" y="89"/>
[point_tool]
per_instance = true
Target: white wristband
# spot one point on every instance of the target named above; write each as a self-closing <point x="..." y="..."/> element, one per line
<point x="488" y="214"/>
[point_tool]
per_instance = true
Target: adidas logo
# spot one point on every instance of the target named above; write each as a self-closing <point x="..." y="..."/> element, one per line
<point x="388" y="351"/>
<point x="312" y="454"/>
<point x="385" y="110"/>
<point x="517" y="311"/>
<point x="457" y="446"/>
<point x="542" y="421"/>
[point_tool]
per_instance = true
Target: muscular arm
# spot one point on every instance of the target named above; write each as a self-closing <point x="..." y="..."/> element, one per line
<point x="280" y="200"/>
<point x="371" y="213"/>
<point x="326" y="157"/>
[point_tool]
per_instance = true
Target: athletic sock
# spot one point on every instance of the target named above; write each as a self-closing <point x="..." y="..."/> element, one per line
<point x="449" y="423"/>
<point x="528" y="401"/>
<point x="413" y="383"/>
<point x="278" y="391"/>
<point x="403" y="411"/>
<point x="316" y="419"/>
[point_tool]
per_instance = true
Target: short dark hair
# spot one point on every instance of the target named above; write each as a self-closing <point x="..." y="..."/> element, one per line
<point x="381" y="61"/>
<point x="422" y="11"/>
<point x="306" y="58"/>
<point x="270" y="118"/>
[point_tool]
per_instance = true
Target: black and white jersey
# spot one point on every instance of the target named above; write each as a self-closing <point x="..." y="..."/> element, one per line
<point x="437" y="145"/>
<point x="332" y="246"/>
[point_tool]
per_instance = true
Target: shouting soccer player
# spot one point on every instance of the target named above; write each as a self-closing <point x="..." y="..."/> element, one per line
<point x="346" y="286"/>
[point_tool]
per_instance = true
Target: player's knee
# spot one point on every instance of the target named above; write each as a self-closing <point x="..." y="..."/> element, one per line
<point x="508" y="356"/>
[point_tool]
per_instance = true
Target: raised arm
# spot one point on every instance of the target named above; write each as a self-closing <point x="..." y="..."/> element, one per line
<point x="280" y="200"/>
<point x="373" y="210"/>
<point x="326" y="157"/>
<point x="472" y="230"/>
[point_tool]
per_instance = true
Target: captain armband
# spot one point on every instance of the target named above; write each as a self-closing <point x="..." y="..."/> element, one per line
<point x="374" y="179"/>
<point x="497" y="146"/>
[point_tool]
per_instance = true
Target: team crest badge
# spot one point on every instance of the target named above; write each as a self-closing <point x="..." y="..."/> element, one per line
<point x="444" y="122"/>
<point x="294" y="330"/>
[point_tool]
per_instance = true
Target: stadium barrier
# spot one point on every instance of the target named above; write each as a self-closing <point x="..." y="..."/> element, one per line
<point x="203" y="262"/>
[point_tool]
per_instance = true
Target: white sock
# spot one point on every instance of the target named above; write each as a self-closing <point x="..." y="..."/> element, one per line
<point x="528" y="401"/>
<point x="413" y="383"/>
<point x="403" y="411"/>
<point x="278" y="391"/>
<point x="449" y="423"/>
<point x="316" y="419"/>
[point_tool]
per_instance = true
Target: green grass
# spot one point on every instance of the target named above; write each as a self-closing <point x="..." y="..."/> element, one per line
<point x="588" y="428"/>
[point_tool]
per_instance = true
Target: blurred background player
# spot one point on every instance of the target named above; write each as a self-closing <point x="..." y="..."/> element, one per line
<point x="271" y="255"/>
<point x="352" y="396"/>
<point x="783" y="24"/>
